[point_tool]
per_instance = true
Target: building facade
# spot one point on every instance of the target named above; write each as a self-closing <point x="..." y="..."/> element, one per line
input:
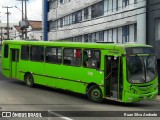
<point x="3" y="31"/>
<point x="34" y="30"/>
<point x="116" y="21"/>
<point x="153" y="29"/>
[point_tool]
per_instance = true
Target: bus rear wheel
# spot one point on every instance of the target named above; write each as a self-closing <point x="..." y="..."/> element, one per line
<point x="95" y="94"/>
<point x="29" y="81"/>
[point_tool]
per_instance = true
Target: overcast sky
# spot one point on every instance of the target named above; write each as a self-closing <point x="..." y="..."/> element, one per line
<point x="34" y="10"/>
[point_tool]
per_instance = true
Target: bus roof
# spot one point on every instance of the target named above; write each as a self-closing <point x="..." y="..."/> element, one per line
<point x="75" y="44"/>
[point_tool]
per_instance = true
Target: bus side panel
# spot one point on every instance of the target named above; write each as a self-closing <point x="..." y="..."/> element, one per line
<point x="66" y="85"/>
<point x="72" y="78"/>
<point x="65" y="77"/>
<point x="35" y="68"/>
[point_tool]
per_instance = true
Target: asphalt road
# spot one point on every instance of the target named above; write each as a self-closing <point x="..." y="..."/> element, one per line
<point x="15" y="96"/>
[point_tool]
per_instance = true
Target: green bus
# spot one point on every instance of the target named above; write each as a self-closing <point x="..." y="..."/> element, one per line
<point x="119" y="72"/>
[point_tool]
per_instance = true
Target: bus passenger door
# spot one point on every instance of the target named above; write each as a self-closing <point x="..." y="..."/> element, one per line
<point x="112" y="77"/>
<point x="14" y="62"/>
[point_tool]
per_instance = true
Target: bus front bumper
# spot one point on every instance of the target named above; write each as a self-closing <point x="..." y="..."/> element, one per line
<point x="130" y="97"/>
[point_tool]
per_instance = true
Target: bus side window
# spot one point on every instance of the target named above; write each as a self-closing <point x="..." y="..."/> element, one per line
<point x="53" y="55"/>
<point x="6" y="50"/>
<point x="37" y="53"/>
<point x="91" y="59"/>
<point x="25" y="52"/>
<point x="72" y="57"/>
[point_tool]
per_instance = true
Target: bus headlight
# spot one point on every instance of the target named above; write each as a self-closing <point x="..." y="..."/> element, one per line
<point x="133" y="91"/>
<point x="156" y="88"/>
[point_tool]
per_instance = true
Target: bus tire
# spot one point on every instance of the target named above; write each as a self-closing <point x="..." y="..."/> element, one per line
<point x="95" y="94"/>
<point x="29" y="81"/>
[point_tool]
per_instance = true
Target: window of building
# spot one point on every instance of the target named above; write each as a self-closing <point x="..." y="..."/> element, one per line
<point x="25" y="52"/>
<point x="86" y="13"/>
<point x="135" y="32"/>
<point x="61" y="1"/>
<point x="135" y="1"/>
<point x="119" y="4"/>
<point x="115" y="5"/>
<point x="74" y="39"/>
<point x="78" y="39"/>
<point x="94" y="39"/>
<point x="37" y="53"/>
<point x="70" y="19"/>
<point x="120" y="35"/>
<point x="86" y="39"/>
<point x="132" y="34"/>
<point x="101" y="36"/>
<point x="89" y="37"/>
<point x="97" y="9"/>
<point x="61" y="22"/>
<point x="53" y="4"/>
<point x="53" y="25"/>
<point x="6" y="47"/>
<point x="50" y="25"/>
<point x="72" y="57"/>
<point x="78" y="16"/>
<point x="125" y="33"/>
<point x="115" y="35"/>
<point x="125" y="3"/>
<point x="110" y="35"/>
<point x="53" y="55"/>
<point x="73" y="18"/>
<point x="157" y="29"/>
<point x="110" y="5"/>
<point x="67" y="20"/>
<point x="106" y="36"/>
<point x="91" y="58"/>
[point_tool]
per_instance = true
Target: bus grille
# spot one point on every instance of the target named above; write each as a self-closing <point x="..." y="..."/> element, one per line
<point x="146" y="89"/>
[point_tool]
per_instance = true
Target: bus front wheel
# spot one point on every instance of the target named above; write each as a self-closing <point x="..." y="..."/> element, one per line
<point x="29" y="80"/>
<point x="95" y="94"/>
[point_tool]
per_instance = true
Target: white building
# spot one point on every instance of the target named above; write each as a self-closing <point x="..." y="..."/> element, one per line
<point x="97" y="20"/>
<point x="12" y="31"/>
<point x="34" y="31"/>
<point x="18" y="32"/>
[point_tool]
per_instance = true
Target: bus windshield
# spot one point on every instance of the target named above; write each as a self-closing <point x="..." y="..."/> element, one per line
<point x="141" y="69"/>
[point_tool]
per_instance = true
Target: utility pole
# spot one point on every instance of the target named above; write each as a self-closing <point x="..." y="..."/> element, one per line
<point x="7" y="20"/>
<point x="24" y="19"/>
